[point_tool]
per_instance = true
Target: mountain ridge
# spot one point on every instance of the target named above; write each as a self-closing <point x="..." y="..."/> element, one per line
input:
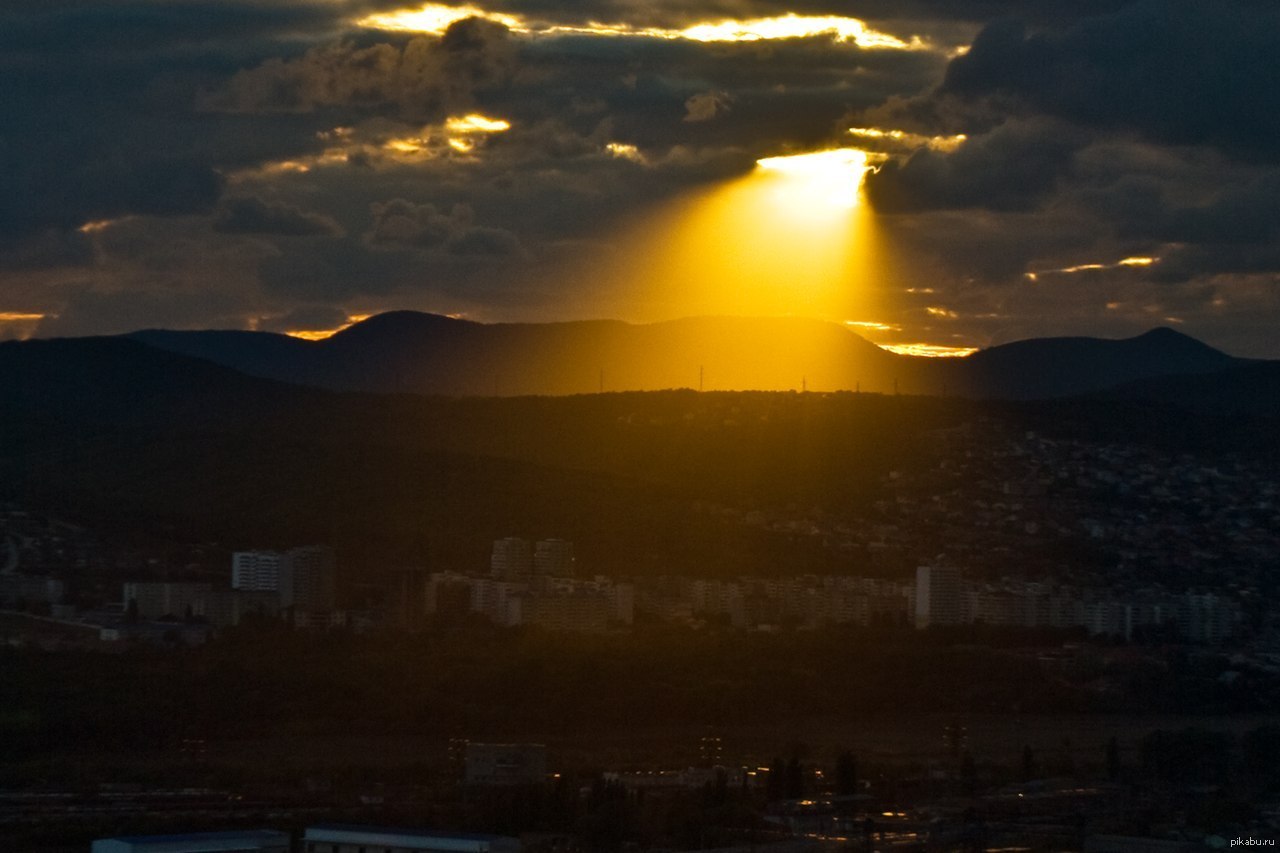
<point x="414" y="352"/>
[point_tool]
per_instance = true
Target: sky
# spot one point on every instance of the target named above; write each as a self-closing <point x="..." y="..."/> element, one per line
<point x="978" y="171"/>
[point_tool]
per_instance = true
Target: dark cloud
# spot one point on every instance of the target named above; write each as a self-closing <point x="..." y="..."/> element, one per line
<point x="1239" y="215"/>
<point x="1012" y="168"/>
<point x="1177" y="71"/>
<point x="50" y="248"/>
<point x="67" y="187"/>
<point x="252" y="215"/>
<point x="421" y="78"/>
<point x="134" y="28"/>
<point x="305" y="318"/>
<point x="335" y="270"/>
<point x="403" y="224"/>
<point x="89" y="311"/>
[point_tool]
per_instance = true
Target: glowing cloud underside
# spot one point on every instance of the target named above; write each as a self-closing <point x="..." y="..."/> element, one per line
<point x="1130" y="263"/>
<point x="794" y="26"/>
<point x="910" y="140"/>
<point x="819" y="179"/>
<point x="476" y="123"/>
<point x="321" y="334"/>
<point x="436" y="18"/>
<point x="929" y="350"/>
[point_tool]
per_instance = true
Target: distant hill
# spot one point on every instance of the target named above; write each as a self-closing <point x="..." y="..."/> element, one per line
<point x="1242" y="389"/>
<point x="83" y="381"/>
<point x="1058" y="367"/>
<point x="406" y="351"/>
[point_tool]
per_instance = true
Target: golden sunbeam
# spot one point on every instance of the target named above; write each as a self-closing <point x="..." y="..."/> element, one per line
<point x="818" y="180"/>
<point x="789" y="238"/>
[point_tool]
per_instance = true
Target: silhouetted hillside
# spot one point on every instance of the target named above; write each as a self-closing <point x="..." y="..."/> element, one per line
<point x="1057" y="367"/>
<point x="406" y="351"/>
<point x="1247" y="389"/>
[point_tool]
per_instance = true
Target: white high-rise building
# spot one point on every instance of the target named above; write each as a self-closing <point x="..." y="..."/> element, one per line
<point x="939" y="598"/>
<point x="255" y="571"/>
